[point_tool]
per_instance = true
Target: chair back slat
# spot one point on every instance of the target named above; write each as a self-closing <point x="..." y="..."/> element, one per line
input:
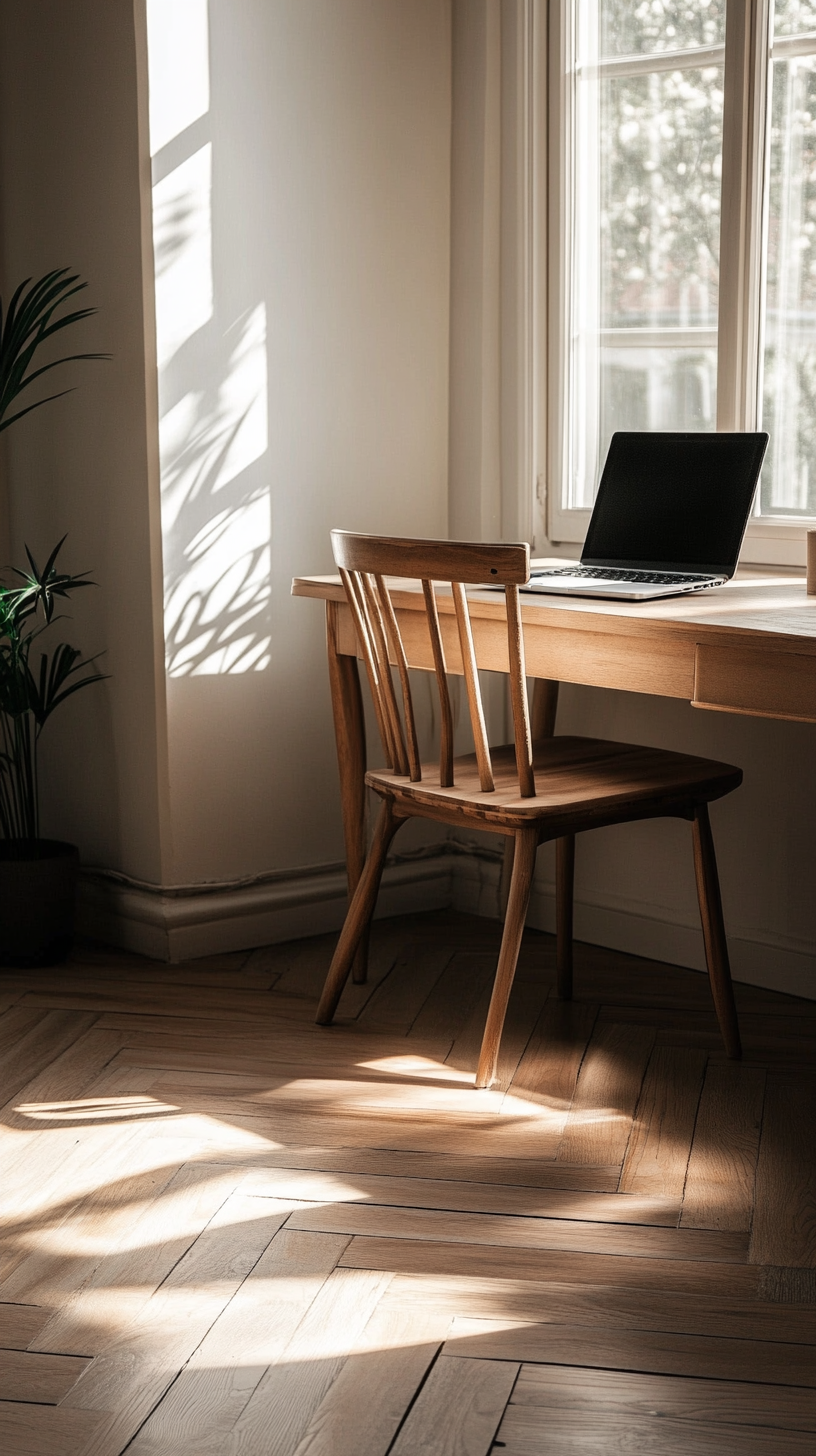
<point x="398" y="651"/>
<point x="390" y="708"/>
<point x="518" y="694"/>
<point x="364" y="563"/>
<point x="474" y="691"/>
<point x="357" y="602"/>
<point x="440" y="668"/>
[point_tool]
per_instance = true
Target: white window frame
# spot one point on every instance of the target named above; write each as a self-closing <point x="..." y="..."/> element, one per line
<point x="770" y="540"/>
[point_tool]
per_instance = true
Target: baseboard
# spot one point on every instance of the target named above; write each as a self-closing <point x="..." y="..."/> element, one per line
<point x="177" y="925"/>
<point x="758" y="962"/>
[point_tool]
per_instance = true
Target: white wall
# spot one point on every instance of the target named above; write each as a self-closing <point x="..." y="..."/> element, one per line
<point x="329" y="123"/>
<point x="70" y="184"/>
<point x="305" y="385"/>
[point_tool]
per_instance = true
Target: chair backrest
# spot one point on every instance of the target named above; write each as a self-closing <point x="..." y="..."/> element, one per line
<point x="365" y="562"/>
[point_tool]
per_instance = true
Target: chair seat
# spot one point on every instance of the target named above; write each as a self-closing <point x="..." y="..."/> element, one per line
<point x="580" y="783"/>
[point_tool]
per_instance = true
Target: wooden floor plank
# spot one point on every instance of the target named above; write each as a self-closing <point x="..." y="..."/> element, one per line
<point x="527" y="1431"/>
<point x="572" y="1236"/>
<point x="458" y="1410"/>
<point x="489" y="1171"/>
<point x="399" y="997"/>
<point x="144" y="1356"/>
<point x="450" y="1004"/>
<point x="606" y="1094"/>
<point x="465" y="1197"/>
<point x="423" y="1256"/>
<point x="719" y="1190"/>
<point x="621" y="1393"/>
<point x="134" y="1238"/>
<point x="36" y="1048"/>
<point x="549" y="1067"/>
<point x="784" y="1225"/>
<point x="660" y="1142"/>
<point x="364" y="1407"/>
<point x="20" y="1324"/>
<point x="202" y="1405"/>
<point x="469" y="1134"/>
<point x="289" y="1395"/>
<point x="42" y="1430"/>
<point x="64" y="1079"/>
<point x="653" y="1352"/>
<point x="611" y="1306"/>
<point x="336" y="1045"/>
<point x="44" y="1379"/>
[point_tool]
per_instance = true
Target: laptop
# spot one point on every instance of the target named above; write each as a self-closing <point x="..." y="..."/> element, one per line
<point x="669" y="517"/>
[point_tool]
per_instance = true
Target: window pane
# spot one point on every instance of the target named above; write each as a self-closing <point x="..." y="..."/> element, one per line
<point x="793" y="17"/>
<point x="661" y="157"/>
<point x="630" y="29"/>
<point x="789" y="384"/>
<point x="646" y="261"/>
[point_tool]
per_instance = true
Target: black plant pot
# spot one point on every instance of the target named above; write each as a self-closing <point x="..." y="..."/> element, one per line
<point x="38" y="879"/>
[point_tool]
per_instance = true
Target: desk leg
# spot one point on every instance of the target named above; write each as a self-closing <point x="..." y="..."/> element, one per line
<point x="545" y="706"/>
<point x="542" y="725"/>
<point x="349" y="729"/>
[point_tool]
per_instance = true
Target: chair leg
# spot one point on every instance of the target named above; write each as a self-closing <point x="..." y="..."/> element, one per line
<point x="716" y="949"/>
<point x="518" y="900"/>
<point x="506" y="873"/>
<point x="564" y="884"/>
<point x="359" y="914"/>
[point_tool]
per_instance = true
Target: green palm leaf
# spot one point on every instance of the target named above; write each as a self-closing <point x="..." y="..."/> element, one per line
<point x="31" y="318"/>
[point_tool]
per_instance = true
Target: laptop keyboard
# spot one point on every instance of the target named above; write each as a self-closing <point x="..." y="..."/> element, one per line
<point x="616" y="573"/>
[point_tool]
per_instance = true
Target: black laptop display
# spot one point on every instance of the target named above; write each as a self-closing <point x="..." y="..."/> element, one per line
<point x="670" y="516"/>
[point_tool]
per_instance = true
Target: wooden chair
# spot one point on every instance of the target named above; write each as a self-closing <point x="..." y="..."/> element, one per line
<point x="532" y="793"/>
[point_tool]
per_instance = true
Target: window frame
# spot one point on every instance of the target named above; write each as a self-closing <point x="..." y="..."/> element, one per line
<point x="770" y="540"/>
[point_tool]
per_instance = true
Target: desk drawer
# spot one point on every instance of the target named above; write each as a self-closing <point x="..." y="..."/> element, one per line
<point x="766" y="684"/>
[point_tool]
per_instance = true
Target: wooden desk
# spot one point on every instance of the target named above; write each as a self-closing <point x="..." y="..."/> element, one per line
<point x="748" y="647"/>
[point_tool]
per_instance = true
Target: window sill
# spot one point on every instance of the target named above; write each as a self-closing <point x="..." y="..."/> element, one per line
<point x="769" y="541"/>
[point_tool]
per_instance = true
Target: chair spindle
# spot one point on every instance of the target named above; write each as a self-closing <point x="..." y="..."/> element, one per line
<point x="518" y="694"/>
<point x="446" y="725"/>
<point x="398" y="649"/>
<point x="474" y="691"/>
<point x="391" y="710"/>
<point x="356" y="601"/>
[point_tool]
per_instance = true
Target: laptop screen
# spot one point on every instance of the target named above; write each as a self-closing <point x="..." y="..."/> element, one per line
<point x="674" y="502"/>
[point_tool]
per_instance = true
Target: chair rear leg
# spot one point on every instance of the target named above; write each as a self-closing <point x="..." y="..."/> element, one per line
<point x="564" y="887"/>
<point x="716" y="949"/>
<point x="359" y="914"/>
<point x="518" y="900"/>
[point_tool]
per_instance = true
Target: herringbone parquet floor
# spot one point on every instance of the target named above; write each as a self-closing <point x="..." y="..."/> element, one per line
<point x="226" y="1230"/>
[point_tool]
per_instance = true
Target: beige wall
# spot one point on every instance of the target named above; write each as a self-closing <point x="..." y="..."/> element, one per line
<point x="329" y="123"/>
<point x="330" y="127"/>
<point x="69" y="179"/>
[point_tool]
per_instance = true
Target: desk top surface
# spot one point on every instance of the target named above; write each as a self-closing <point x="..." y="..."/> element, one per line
<point x="754" y="607"/>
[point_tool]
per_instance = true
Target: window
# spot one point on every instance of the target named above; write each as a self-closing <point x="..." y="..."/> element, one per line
<point x="683" y="241"/>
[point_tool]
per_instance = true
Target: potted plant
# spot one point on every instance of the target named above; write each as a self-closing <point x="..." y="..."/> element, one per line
<point x="37" y="876"/>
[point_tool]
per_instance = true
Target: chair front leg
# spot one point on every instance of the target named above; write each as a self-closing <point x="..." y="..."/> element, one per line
<point x="359" y="914"/>
<point x="517" y="903"/>
<point x="716" y="948"/>
<point x="564" y="894"/>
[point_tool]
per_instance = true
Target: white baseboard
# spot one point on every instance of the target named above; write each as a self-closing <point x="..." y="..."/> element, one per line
<point x="777" y="965"/>
<point x="175" y="926"/>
